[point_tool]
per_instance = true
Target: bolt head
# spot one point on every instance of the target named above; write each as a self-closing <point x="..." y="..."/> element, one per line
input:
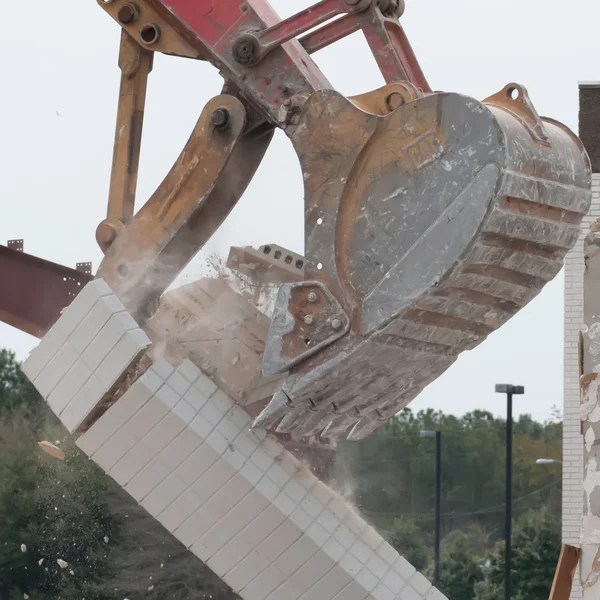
<point x="312" y="297"/>
<point x="309" y="319"/>
<point x="336" y="324"/>
<point x="219" y="118"/>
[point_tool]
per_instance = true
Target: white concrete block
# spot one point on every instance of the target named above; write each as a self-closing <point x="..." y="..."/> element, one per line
<point x="162" y="368"/>
<point x="344" y="536"/>
<point x="69" y="386"/>
<point x="210" y="482"/>
<point x="180" y="449"/>
<point x="355" y="523"/>
<point x="147" y="479"/>
<point x="291" y="465"/>
<point x="317" y="534"/>
<point x="284" y="503"/>
<point x="151" y="380"/>
<point x="353" y="591"/>
<point x="179" y="510"/>
<point x="371" y="538"/>
<point x="201" y="426"/>
<point x="247" y="540"/>
<point x="279" y="541"/>
<point x="393" y="581"/>
<point x="361" y="551"/>
<point x="403" y="568"/>
<point x="377" y="566"/>
<point x="311" y="505"/>
<point x="338" y="507"/>
<point x="251" y="472"/>
<point x="239" y="417"/>
<point x="128" y="466"/>
<point x="222" y="401"/>
<point x="331" y="584"/>
<point x="409" y="593"/>
<point x="303" y="578"/>
<point x="189" y="370"/>
<point x="435" y="594"/>
<point x="56" y="369"/>
<point x="43" y="353"/>
<point x="205" y="385"/>
<point x="351" y="565"/>
<point x="82" y="305"/>
<point x="420" y="583"/>
<point x="381" y="592"/>
<point x="235" y="459"/>
<point x="367" y="579"/>
<point x="388" y="553"/>
<point x="166" y="492"/>
<point x="114" y="449"/>
<point x="184" y="411"/>
<point x="179" y="383"/>
<point x="323" y="493"/>
<point x="278" y="476"/>
<point x="167" y="429"/>
<point x="200" y="461"/>
<point x="120" y="358"/>
<point x="244" y="444"/>
<point x="86" y="400"/>
<point x="334" y="549"/>
<point x="300" y="518"/>
<point x="269" y="490"/>
<point x="294" y="490"/>
<point x="260" y="587"/>
<point x="98" y="434"/>
<point x="273" y="448"/>
<point x="218" y="442"/>
<point x="132" y="400"/>
<point x="328" y="521"/>
<point x="90" y="326"/>
<point x="228" y="429"/>
<point x="146" y="418"/>
<point x="211" y="413"/>
<point x="107" y="339"/>
<point x="261" y="459"/>
<point x="195" y="398"/>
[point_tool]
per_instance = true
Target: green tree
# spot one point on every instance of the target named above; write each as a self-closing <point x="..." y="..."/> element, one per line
<point x="407" y="539"/>
<point x="536" y="547"/>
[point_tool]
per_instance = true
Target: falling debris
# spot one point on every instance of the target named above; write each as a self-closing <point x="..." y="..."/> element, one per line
<point x="25" y="596"/>
<point x="106" y="539"/>
<point x="61" y="563"/>
<point x="52" y="450"/>
<point x="41" y="562"/>
<point x="23" y="548"/>
<point x="150" y="588"/>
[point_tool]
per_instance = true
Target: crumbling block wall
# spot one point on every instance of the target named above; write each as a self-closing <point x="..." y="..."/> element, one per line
<point x="589" y="131"/>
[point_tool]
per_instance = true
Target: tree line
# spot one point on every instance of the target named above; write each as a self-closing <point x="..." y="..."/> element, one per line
<point x="55" y="513"/>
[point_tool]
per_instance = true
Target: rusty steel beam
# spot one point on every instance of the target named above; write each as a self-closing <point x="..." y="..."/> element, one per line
<point x="34" y="290"/>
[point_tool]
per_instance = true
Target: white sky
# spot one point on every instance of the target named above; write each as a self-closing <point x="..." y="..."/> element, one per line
<point x="57" y="113"/>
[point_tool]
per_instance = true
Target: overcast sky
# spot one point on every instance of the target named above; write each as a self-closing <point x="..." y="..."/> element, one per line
<point x="60" y="84"/>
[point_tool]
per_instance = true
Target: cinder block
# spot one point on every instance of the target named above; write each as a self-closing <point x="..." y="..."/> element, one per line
<point x="344" y="536"/>
<point x="90" y="326"/>
<point x="98" y="434"/>
<point x="420" y="583"/>
<point x="333" y="549"/>
<point x="189" y="370"/>
<point x="83" y="404"/>
<point x="311" y="505"/>
<point x="166" y="492"/>
<point x="323" y="493"/>
<point x="132" y="400"/>
<point x="371" y="538"/>
<point x="56" y="369"/>
<point x="247" y="540"/>
<point x="68" y="386"/>
<point x="235" y="459"/>
<point x="316" y="533"/>
<point x="164" y="432"/>
<point x="211" y="413"/>
<point x="409" y="593"/>
<point x="146" y="418"/>
<point x="351" y="564"/>
<point x="132" y="463"/>
<point x="179" y="383"/>
<point x="331" y="584"/>
<point x="284" y="503"/>
<point x="114" y="449"/>
<point x="147" y="479"/>
<point x="225" y="499"/>
<point x="195" y="398"/>
<point x="179" y="510"/>
<point x="262" y="585"/>
<point x="205" y="386"/>
<point x="218" y="442"/>
<point x="355" y="523"/>
<point x="168" y="396"/>
<point x="261" y="459"/>
<point x="43" y="353"/>
<point x="361" y="551"/>
<point x="328" y="521"/>
<point x="120" y="358"/>
<point x="338" y="507"/>
<point x="300" y="518"/>
<point x="212" y="481"/>
<point x="244" y="444"/>
<point x="279" y="541"/>
<point x="393" y="581"/>
<point x="222" y="401"/>
<point x="294" y="490"/>
<point x="366" y="579"/>
<point x="239" y="417"/>
<point x="245" y="511"/>
<point x="201" y="426"/>
<point x="107" y="339"/>
<point x="228" y="429"/>
<point x="251" y="472"/>
<point x="353" y="591"/>
<point x="180" y="448"/>
<point x="388" y="553"/>
<point x="184" y="411"/>
<point x="200" y="461"/>
<point x="269" y="489"/>
<point x="381" y="592"/>
<point x="300" y="552"/>
<point x="403" y="568"/>
<point x="278" y="476"/>
<point x="82" y="305"/>
<point x="162" y="368"/>
<point x="435" y="594"/>
<point x="377" y="566"/>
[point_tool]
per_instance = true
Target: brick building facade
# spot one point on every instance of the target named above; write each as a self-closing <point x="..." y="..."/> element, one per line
<point x="589" y="127"/>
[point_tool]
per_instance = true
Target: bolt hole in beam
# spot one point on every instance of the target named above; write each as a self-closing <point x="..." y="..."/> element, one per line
<point x="150" y="33"/>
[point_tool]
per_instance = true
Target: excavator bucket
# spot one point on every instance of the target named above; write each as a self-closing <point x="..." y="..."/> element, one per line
<point x="427" y="228"/>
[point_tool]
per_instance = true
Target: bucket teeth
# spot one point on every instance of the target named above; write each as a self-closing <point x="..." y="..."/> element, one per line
<point x="278" y="407"/>
<point x="340" y="424"/>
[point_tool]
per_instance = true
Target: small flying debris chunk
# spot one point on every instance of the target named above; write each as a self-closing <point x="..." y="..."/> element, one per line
<point x="61" y="563"/>
<point x="52" y="450"/>
<point x="23" y="548"/>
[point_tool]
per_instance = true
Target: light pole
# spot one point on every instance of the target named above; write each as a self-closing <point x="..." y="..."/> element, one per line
<point x="438" y="492"/>
<point x="509" y="390"/>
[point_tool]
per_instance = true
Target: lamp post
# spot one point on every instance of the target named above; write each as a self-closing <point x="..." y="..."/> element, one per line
<point x="438" y="492"/>
<point x="509" y="390"/>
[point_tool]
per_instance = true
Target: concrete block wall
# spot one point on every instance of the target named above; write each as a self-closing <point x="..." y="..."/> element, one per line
<point x="233" y="496"/>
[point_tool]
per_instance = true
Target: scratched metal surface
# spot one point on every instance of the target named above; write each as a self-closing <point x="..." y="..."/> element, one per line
<point x="453" y="218"/>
